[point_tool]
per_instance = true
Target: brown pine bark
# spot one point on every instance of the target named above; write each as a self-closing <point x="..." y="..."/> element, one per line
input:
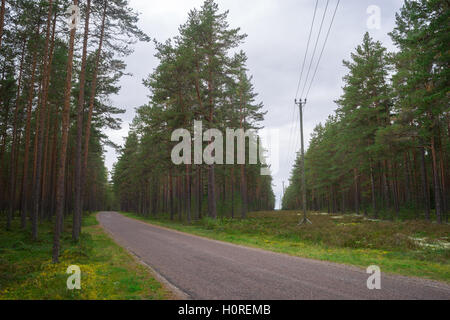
<point x="232" y="192"/>
<point x="415" y="171"/>
<point x="407" y="179"/>
<point x="24" y="206"/>
<point x="77" y="213"/>
<point x="436" y="183"/>
<point x="171" y="205"/>
<point x="395" y="191"/>
<point x="40" y="133"/>
<point x="12" y="169"/>
<point x="63" y="154"/>
<point x="54" y="164"/>
<point x="44" y="199"/>
<point x="44" y="208"/>
<point x="244" y="206"/>
<point x="188" y="193"/>
<point x="36" y="130"/>
<point x="200" y="193"/>
<point x="372" y="184"/>
<point x="425" y="192"/>
<point x="355" y="173"/>
<point x="91" y="103"/>
<point x="385" y="180"/>
<point x="442" y="169"/>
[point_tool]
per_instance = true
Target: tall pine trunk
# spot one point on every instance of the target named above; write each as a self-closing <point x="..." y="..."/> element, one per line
<point x="244" y="206"/>
<point x="232" y="192"/>
<point x="12" y="168"/>
<point x="171" y="205"/>
<point x="188" y="193"/>
<point x="92" y="101"/>
<point x="372" y="184"/>
<point x="24" y="202"/>
<point x="355" y="172"/>
<point x="200" y="193"/>
<point x="60" y="190"/>
<point x="212" y="209"/>
<point x="40" y="132"/>
<point x="425" y="192"/>
<point x="436" y="183"/>
<point x="44" y="202"/>
<point x="77" y="213"/>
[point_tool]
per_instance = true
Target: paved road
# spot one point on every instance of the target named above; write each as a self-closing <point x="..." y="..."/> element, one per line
<point x="209" y="269"/>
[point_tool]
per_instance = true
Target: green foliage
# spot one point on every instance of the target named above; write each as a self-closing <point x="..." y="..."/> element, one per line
<point x="386" y="150"/>
<point x="107" y="270"/>
<point x="198" y="78"/>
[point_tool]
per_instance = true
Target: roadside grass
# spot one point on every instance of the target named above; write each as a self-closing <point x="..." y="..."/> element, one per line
<point x="107" y="270"/>
<point x="411" y="248"/>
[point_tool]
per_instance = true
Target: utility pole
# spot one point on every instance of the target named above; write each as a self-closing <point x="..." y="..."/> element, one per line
<point x="301" y="105"/>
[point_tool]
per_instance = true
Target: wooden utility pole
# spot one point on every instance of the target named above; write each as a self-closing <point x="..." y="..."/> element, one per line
<point x="301" y="105"/>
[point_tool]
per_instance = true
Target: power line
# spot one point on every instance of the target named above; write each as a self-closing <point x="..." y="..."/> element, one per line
<point x="323" y="48"/>
<point x="294" y="126"/>
<point x="307" y="49"/>
<point x="315" y="47"/>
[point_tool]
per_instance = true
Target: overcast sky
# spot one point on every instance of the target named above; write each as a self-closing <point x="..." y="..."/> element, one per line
<point x="277" y="36"/>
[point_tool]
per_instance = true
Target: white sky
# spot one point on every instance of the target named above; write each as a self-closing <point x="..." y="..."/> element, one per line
<point x="277" y="36"/>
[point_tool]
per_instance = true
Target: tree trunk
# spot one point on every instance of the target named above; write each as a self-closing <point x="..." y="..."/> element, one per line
<point x="395" y="193"/>
<point x="407" y="179"/>
<point x="188" y="193"/>
<point x="212" y="209"/>
<point x="372" y="184"/>
<point x="442" y="177"/>
<point x="355" y="172"/>
<point x="91" y="103"/>
<point x="77" y="213"/>
<point x="12" y="168"/>
<point x="200" y="193"/>
<point x="40" y="133"/>
<point x="385" y="181"/>
<point x="244" y="206"/>
<point x="63" y="153"/>
<point x="425" y="192"/>
<point x="171" y="196"/>
<point x="47" y="130"/>
<point x="436" y="183"/>
<point x="232" y="192"/>
<point x="24" y="205"/>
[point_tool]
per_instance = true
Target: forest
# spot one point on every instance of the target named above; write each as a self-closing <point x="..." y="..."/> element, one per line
<point x="386" y="150"/>
<point x="55" y="93"/>
<point x="201" y="76"/>
<point x="55" y="85"/>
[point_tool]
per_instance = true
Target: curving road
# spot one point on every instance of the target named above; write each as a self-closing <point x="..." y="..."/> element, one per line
<point x="208" y="269"/>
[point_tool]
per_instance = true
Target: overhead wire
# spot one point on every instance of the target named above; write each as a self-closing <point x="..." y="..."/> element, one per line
<point x="323" y="48"/>
<point x="315" y="48"/>
<point x="294" y="126"/>
<point x="307" y="49"/>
